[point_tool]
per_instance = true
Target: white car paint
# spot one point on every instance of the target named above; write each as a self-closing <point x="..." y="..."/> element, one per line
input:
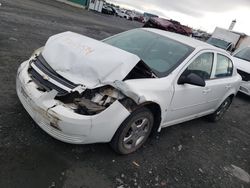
<point x="244" y="66"/>
<point x="71" y="54"/>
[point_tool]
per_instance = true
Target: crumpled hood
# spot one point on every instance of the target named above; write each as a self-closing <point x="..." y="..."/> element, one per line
<point x="86" y="61"/>
<point x="242" y="64"/>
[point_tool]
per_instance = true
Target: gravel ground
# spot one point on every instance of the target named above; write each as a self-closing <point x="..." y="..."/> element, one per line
<point x="192" y="154"/>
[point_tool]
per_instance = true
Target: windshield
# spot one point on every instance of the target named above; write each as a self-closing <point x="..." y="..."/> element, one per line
<point x="244" y="54"/>
<point x="218" y="43"/>
<point x="160" y="53"/>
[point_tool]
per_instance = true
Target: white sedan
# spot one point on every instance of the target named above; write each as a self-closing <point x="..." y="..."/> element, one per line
<point x="242" y="63"/>
<point x="119" y="90"/>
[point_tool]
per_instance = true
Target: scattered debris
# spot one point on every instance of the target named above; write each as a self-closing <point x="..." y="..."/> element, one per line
<point x="113" y="161"/>
<point x="163" y="183"/>
<point x="201" y="170"/>
<point x="136" y="164"/>
<point x="119" y="180"/>
<point x="12" y="38"/>
<point x="179" y="147"/>
<point x="120" y="186"/>
<point x="150" y="172"/>
<point x="53" y="184"/>
<point x="122" y="175"/>
<point x="238" y="173"/>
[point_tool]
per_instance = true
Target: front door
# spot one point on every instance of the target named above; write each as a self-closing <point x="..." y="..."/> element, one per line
<point x="188" y="100"/>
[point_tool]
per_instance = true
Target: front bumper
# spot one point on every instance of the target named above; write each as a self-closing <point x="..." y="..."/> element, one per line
<point x="245" y="87"/>
<point x="60" y="121"/>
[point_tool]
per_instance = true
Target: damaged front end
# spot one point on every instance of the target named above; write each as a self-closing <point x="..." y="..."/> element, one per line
<point x="78" y="97"/>
<point x="71" y="89"/>
<point x="87" y="74"/>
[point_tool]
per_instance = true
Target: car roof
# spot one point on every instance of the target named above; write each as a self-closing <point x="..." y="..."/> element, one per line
<point x="183" y="39"/>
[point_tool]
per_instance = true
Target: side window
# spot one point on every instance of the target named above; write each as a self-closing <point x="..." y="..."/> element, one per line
<point x="224" y="67"/>
<point x="202" y="65"/>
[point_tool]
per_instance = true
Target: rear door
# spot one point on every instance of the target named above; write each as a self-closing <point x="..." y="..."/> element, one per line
<point x="221" y="80"/>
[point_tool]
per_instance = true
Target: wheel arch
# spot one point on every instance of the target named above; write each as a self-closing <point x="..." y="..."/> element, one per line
<point x="230" y="95"/>
<point x="154" y="108"/>
<point x="156" y="111"/>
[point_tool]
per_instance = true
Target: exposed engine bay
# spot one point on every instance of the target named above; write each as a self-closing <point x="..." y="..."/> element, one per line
<point x="91" y="102"/>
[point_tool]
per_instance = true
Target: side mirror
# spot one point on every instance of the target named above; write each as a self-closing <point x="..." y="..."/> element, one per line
<point x="192" y="79"/>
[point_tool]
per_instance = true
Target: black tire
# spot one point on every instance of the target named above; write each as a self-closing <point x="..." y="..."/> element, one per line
<point x="133" y="132"/>
<point x="218" y="114"/>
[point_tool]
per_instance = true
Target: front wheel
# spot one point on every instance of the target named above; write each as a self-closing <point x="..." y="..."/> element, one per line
<point x="218" y="114"/>
<point x="133" y="132"/>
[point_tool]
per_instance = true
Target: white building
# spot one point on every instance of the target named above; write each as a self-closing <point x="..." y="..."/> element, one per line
<point x="96" y="5"/>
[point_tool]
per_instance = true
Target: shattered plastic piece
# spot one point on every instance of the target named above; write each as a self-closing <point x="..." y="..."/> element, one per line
<point x="136" y="164"/>
<point x="120" y="186"/>
<point x="119" y="180"/>
<point x="12" y="38"/>
<point x="179" y="147"/>
<point x="201" y="170"/>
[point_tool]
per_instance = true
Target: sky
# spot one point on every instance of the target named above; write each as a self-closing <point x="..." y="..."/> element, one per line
<point x="198" y="14"/>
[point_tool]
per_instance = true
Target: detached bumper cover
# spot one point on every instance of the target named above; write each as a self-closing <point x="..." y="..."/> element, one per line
<point x="61" y="122"/>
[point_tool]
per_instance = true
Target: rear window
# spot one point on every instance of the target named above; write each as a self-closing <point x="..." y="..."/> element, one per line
<point x="224" y="67"/>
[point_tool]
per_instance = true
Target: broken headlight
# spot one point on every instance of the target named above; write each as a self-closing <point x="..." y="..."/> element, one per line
<point x="94" y="101"/>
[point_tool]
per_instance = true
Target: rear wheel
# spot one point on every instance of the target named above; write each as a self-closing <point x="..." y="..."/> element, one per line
<point x="218" y="114"/>
<point x="133" y="132"/>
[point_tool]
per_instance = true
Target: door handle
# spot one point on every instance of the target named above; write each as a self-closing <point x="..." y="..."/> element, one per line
<point x="228" y="87"/>
<point x="207" y="90"/>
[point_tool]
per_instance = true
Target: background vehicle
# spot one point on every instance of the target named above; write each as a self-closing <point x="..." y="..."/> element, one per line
<point x="122" y="14"/>
<point x="242" y="63"/>
<point x="107" y="10"/>
<point x="168" y="25"/>
<point x="148" y="78"/>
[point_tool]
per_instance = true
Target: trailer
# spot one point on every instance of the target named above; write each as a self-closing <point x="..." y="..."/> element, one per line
<point x="224" y="39"/>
